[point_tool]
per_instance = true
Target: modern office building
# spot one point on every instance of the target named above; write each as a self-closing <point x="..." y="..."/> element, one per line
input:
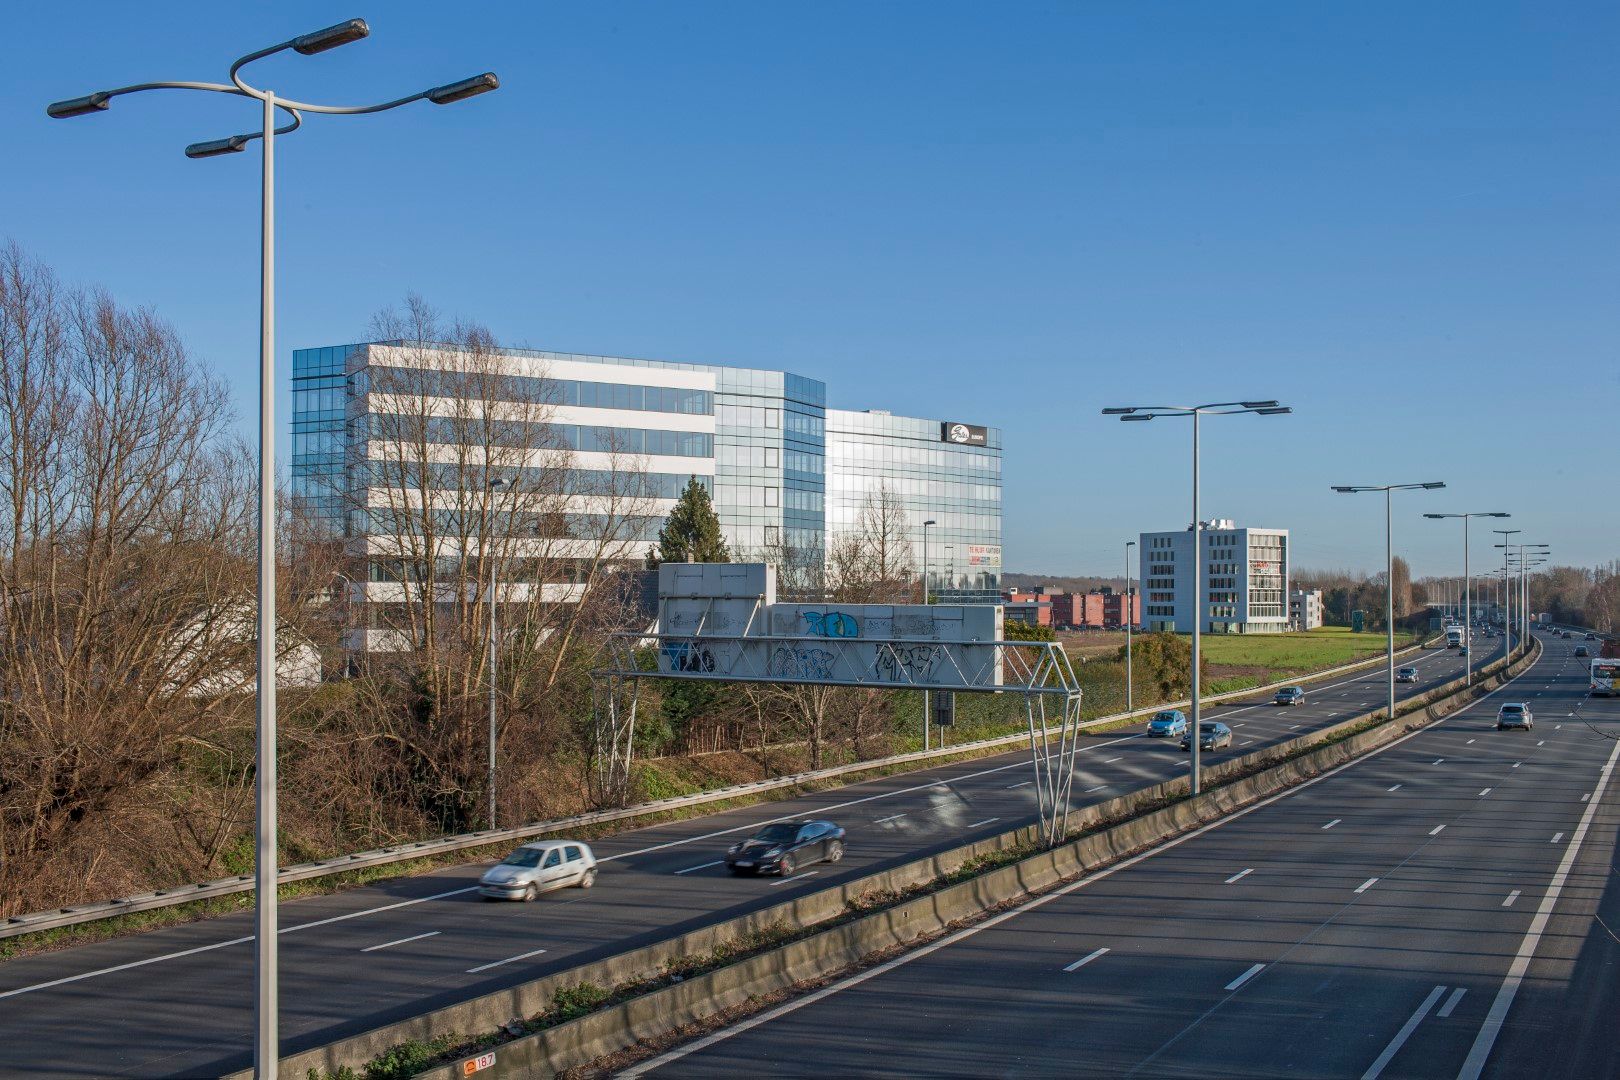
<point x="1305" y="608"/>
<point x="1245" y="580"/>
<point x="783" y="470"/>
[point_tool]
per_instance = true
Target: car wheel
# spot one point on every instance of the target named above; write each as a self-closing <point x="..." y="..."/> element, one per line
<point x="531" y="894"/>
<point x="786" y="866"/>
<point x="588" y="879"/>
<point x="835" y="851"/>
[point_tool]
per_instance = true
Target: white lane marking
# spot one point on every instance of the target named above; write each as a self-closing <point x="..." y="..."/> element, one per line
<point x="1245" y="977"/>
<point x="1089" y="790"/>
<point x="1543" y="742"/>
<point x="508" y="960"/>
<point x="1484" y="793"/>
<point x="1451" y="1003"/>
<point x="1111" y="760"/>
<point x="1588" y="795"/>
<point x="1470" y="742"/>
<point x="1332" y="823"/>
<point x="637" y="1071"/>
<point x="224" y="944"/>
<point x="1293" y="727"/>
<point x="1557" y="836"/>
<point x="986" y="821"/>
<point x="1376" y="1069"/>
<point x="1240" y="875"/>
<point x="891" y="817"/>
<point x="1556" y="727"/>
<point x="1084" y="960"/>
<point x="1492" y="1027"/>
<point x="700" y="866"/>
<point x="1365" y="885"/>
<point x="401" y="941"/>
<point x="1397" y="787"/>
<point x="1516" y="764"/>
<point x="1026" y="783"/>
<point x="1438" y="760"/>
<point x="1436" y="830"/>
<point x="1512" y="896"/>
<point x="795" y="877"/>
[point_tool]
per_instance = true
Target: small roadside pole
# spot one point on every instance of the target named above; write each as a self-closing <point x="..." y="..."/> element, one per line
<point x="944" y="713"/>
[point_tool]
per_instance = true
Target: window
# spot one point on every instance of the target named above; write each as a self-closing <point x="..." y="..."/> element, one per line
<point x="771" y="496"/>
<point x="574" y="854"/>
<point x="554" y="859"/>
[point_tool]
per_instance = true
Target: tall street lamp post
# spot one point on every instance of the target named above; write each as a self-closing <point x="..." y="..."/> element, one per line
<point x="265" y="1039"/>
<point x="1507" y="607"/>
<point x="1468" y="615"/>
<point x="1525" y="556"/>
<point x="927" y="698"/>
<point x="1197" y="412"/>
<point x="494" y="486"/>
<point x="1389" y="566"/>
<point x="1126" y="614"/>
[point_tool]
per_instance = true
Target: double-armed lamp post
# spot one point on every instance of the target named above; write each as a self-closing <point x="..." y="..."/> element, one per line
<point x="266" y="1041"/>
<point x="1198" y="606"/>
<point x="1389" y="565"/>
<point x="1468" y="594"/>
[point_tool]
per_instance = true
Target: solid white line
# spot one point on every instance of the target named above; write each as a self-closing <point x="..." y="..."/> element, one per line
<point x="508" y="960"/>
<point x="1026" y="783"/>
<point x="1376" y="1069"/>
<point x="1089" y="790"/>
<point x="1332" y="823"/>
<point x="795" y="877"/>
<point x="996" y="920"/>
<point x="1245" y="977"/>
<point x="1557" y="836"/>
<point x="1451" y="1003"/>
<point x="1240" y="874"/>
<point x="1365" y="885"/>
<point x="375" y="910"/>
<point x="1397" y="787"/>
<point x="700" y="866"/>
<point x="1111" y="760"/>
<point x="1084" y="960"/>
<point x="1512" y="896"/>
<point x="1436" y="830"/>
<point x="1486" y="1039"/>
<point x="401" y="941"/>
<point x="986" y="821"/>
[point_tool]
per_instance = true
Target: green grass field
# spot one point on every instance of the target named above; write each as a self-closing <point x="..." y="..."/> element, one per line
<point x="1325" y="647"/>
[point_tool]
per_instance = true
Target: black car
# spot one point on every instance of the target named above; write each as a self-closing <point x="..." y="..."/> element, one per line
<point x="783" y="846"/>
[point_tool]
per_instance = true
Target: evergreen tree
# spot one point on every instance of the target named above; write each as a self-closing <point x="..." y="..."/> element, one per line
<point x="692" y="533"/>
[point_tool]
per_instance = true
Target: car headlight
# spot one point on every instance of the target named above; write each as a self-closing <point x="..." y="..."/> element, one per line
<point x="733" y="849"/>
<point x="773" y="853"/>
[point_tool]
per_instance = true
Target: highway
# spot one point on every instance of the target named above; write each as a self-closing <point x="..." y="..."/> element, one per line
<point x="177" y="1001"/>
<point x="1446" y="907"/>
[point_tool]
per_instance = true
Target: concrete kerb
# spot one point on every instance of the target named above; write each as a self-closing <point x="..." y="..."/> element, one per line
<point x="36" y="922"/>
<point x="488" y="1012"/>
<point x="659" y="1012"/>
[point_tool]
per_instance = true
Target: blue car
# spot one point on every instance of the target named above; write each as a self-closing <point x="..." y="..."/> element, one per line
<point x="1167" y="724"/>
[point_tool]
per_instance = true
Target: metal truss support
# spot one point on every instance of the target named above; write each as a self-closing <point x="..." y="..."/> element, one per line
<point x="1053" y="764"/>
<point x="613" y="706"/>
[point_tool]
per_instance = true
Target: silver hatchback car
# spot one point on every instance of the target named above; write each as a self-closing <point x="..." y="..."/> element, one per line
<point x="539" y="867"/>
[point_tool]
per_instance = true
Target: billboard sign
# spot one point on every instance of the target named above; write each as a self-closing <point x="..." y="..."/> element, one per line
<point x="961" y="434"/>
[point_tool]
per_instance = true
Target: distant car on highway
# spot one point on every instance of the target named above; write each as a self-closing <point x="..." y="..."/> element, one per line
<point x="1212" y="735"/>
<point x="1564" y="634"/>
<point x="1582" y="650"/>
<point x="1514" y="714"/>
<point x="783" y="846"/>
<point x="1167" y="724"/>
<point x="1407" y="674"/>
<point x="539" y="867"/>
<point x="1591" y="637"/>
<point x="1290" y="695"/>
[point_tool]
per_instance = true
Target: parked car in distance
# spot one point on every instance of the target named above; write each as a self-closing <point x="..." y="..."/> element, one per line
<point x="1212" y="735"/>
<point x="1582" y="650"/>
<point x="1514" y="714"/>
<point x="1406" y="674"/>
<point x="1167" y="724"/>
<point x="539" y="867"/>
<point x="783" y="846"/>
<point x="1290" y="695"/>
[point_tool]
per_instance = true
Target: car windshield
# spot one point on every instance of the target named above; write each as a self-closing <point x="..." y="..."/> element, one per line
<point x="1208" y="729"/>
<point x="780" y="833"/>
<point x="523" y="856"/>
<point x="1165" y="718"/>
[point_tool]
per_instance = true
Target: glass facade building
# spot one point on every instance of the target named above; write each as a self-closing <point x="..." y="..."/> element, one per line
<point x="784" y="471"/>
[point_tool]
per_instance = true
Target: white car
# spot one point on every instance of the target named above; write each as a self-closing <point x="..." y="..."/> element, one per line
<point x="539" y="867"/>
<point x="1515" y="714"/>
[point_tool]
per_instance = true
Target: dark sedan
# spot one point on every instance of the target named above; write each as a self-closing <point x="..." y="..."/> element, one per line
<point x="784" y="846"/>
<point x="1211" y="736"/>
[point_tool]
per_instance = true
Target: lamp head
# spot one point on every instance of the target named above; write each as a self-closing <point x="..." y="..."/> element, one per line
<point x="330" y="38"/>
<point x="79" y="106"/>
<point x="466" y="88"/>
<point x="217" y="147"/>
<point x="1258" y="404"/>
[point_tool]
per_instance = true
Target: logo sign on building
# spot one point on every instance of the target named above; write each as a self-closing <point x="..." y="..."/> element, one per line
<point x="964" y="434"/>
<point x="984" y="555"/>
<point x="721" y="620"/>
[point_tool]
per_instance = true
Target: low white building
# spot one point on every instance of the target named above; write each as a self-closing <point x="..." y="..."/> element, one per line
<point x="1244" y="586"/>
<point x="1305" y="608"/>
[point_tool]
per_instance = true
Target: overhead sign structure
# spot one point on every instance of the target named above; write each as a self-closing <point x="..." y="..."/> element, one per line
<point x="953" y="431"/>
<point x="722" y="622"/>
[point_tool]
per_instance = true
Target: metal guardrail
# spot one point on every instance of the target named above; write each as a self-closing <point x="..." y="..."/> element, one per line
<point x="182" y="894"/>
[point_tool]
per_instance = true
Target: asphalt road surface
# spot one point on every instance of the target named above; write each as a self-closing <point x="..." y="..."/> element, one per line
<point x="178" y="1001"/>
<point x="1447" y="907"/>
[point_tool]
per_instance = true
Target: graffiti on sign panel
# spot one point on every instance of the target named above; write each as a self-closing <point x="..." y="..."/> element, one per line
<point x="831" y="624"/>
<point x="801" y="663"/>
<point x="914" y="663"/>
<point x="684" y="656"/>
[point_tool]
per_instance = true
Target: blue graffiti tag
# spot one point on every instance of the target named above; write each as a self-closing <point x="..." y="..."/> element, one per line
<point x="836" y="624"/>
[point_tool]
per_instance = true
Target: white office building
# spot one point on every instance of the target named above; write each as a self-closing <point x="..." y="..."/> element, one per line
<point x="1305" y="608"/>
<point x="1245" y="580"/>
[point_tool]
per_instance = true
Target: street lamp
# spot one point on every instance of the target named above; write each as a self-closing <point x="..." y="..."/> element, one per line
<point x="494" y="485"/>
<point x="1507" y="604"/>
<point x="1126" y="613"/>
<point x="266" y="1042"/>
<point x="1468" y="617"/>
<point x="1525" y="556"/>
<point x="1389" y="563"/>
<point x="927" y="698"/>
<point x="1219" y="408"/>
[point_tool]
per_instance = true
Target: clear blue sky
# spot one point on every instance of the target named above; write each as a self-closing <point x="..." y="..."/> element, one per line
<point x="1400" y="218"/>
